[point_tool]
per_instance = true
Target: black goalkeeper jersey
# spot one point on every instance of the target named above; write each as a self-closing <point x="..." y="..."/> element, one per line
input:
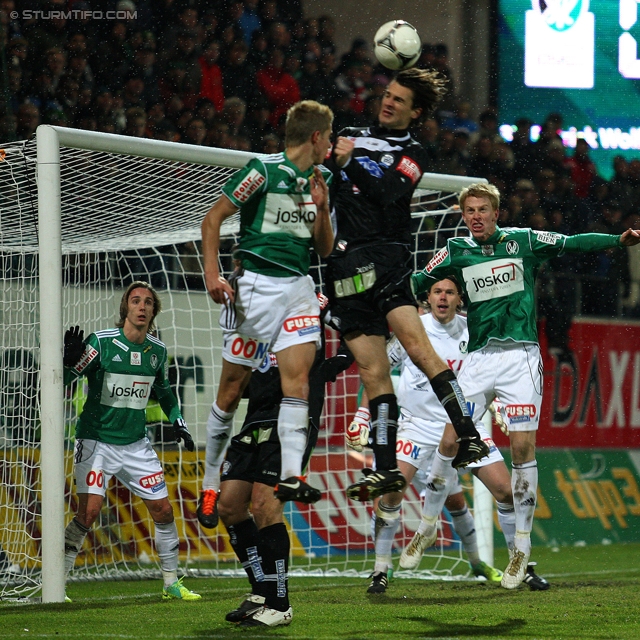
<point x="372" y="193"/>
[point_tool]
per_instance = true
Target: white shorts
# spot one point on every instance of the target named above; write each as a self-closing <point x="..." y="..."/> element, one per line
<point x="511" y="372"/>
<point x="136" y="465"/>
<point x="269" y="314"/>
<point x="417" y="442"/>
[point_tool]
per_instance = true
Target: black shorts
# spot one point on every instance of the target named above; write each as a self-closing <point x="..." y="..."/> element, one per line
<point x="365" y="284"/>
<point x="254" y="454"/>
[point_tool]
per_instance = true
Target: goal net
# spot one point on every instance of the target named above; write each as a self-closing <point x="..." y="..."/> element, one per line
<point x="129" y="210"/>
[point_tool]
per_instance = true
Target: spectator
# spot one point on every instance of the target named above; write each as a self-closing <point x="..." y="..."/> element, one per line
<point x="259" y="50"/>
<point x="55" y="65"/>
<point x="619" y="186"/>
<point x="279" y="87"/>
<point x="156" y="114"/>
<point x="211" y="85"/>
<point x="8" y="127"/>
<point x="268" y="14"/>
<point x="238" y="76"/>
<point x="258" y="123"/>
<point x="184" y="24"/>
<point x="271" y="143"/>
<point x="28" y="119"/>
<point x="448" y="160"/>
<point x="233" y="114"/>
<point x="427" y="136"/>
<point x="327" y="34"/>
<point x="488" y="126"/>
<point x="250" y="20"/>
<point x="44" y="35"/>
<point x="174" y="83"/>
<point x="136" y="122"/>
<point x="133" y="93"/>
<point x="116" y="50"/>
<point x="144" y="65"/>
<point x="524" y="150"/>
<point x="460" y="118"/>
<point x="583" y="171"/>
<point x="205" y="109"/>
<point x="195" y="132"/>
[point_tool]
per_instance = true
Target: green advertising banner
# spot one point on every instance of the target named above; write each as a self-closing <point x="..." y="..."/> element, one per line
<point x="585" y="497"/>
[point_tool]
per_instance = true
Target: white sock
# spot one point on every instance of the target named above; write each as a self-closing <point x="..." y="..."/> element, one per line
<point x="167" y="546"/>
<point x="219" y="426"/>
<point x="74" y="536"/>
<point x="439" y="482"/>
<point x="387" y="522"/>
<point x="293" y="428"/>
<point x="524" y="483"/>
<point x="507" y="520"/>
<point x="465" y="527"/>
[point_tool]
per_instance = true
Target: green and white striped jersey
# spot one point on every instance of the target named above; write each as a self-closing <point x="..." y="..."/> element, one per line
<point x="120" y="376"/>
<point x="276" y="215"/>
<point x="498" y="277"/>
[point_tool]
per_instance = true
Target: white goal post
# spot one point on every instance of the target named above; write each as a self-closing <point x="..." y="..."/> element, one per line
<point x="104" y="203"/>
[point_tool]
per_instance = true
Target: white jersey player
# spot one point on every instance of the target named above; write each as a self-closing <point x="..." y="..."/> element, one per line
<point x="420" y="429"/>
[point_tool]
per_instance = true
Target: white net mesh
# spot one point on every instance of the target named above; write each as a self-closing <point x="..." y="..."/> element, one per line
<point x="126" y="218"/>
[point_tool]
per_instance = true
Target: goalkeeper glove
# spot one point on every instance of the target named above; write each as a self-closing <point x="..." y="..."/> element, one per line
<point x="357" y="435"/>
<point x="73" y="346"/>
<point x="182" y="433"/>
<point x="496" y="410"/>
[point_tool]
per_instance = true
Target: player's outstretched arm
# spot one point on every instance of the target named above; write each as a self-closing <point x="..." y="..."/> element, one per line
<point x="630" y="238"/>
<point x="218" y="288"/>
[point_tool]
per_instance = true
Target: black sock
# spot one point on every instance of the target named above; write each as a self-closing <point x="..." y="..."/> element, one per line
<point x="244" y="540"/>
<point x="384" y="427"/>
<point x="273" y="545"/>
<point x="445" y="386"/>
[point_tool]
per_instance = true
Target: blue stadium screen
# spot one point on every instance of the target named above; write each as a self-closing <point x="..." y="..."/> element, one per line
<point x="579" y="58"/>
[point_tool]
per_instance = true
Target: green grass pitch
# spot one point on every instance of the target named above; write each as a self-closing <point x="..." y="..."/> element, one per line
<point x="594" y="595"/>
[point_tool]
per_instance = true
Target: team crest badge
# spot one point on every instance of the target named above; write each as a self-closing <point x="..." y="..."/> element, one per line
<point x="386" y="160"/>
<point x="154" y="360"/>
<point x="512" y="247"/>
<point x="463" y="346"/>
<point x="560" y="15"/>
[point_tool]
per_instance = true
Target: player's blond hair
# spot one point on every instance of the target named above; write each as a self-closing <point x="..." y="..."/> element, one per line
<point x="124" y="303"/>
<point x="481" y="190"/>
<point x="304" y="119"/>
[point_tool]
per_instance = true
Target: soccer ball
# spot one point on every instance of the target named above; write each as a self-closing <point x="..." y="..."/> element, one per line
<point x="397" y="45"/>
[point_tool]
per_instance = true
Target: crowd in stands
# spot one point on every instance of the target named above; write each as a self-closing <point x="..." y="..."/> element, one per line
<point x="224" y="72"/>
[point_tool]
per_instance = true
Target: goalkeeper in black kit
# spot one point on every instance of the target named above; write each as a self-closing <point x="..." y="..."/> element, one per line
<point x="122" y="366"/>
<point x="376" y="170"/>
<point x="251" y="513"/>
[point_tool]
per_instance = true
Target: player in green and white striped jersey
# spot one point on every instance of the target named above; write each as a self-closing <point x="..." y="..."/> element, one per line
<point x="497" y="268"/>
<point x="122" y="365"/>
<point x="270" y="303"/>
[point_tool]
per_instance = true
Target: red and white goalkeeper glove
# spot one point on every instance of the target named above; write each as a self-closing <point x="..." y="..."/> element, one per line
<point x="357" y="435"/>
<point x="497" y="411"/>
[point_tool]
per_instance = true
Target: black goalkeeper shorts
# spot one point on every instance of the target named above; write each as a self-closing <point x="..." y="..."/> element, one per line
<point x="254" y="454"/>
<point x="365" y="284"/>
